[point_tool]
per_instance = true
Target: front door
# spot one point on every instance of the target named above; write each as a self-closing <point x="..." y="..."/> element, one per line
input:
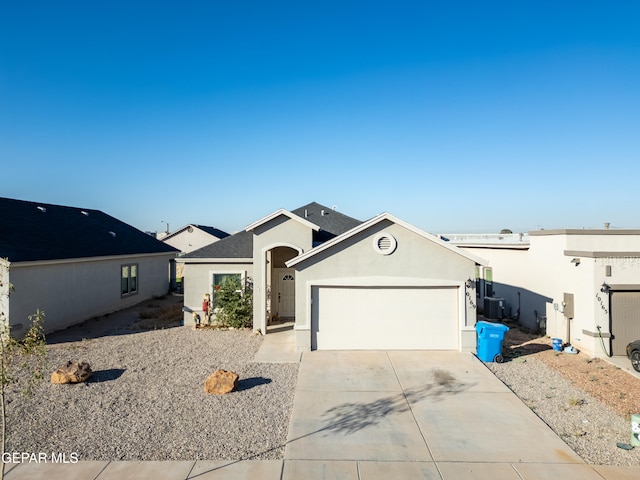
<point x="285" y="299"/>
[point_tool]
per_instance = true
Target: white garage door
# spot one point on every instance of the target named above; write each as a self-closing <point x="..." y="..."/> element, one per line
<point x="385" y="318"/>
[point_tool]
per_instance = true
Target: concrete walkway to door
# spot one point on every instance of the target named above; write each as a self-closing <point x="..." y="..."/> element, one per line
<point x="437" y="415"/>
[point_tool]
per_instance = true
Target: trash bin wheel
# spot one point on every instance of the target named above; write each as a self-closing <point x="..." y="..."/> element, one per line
<point x="498" y="358"/>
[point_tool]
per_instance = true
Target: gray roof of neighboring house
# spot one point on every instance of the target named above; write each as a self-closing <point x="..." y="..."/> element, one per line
<point x="31" y="231"/>
<point x="240" y="245"/>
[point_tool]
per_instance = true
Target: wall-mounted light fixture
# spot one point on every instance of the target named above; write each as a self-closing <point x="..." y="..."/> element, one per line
<point x="576" y="261"/>
<point x="605" y="288"/>
<point x="470" y="282"/>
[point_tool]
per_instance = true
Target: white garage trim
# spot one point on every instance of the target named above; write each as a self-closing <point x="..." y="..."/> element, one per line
<point x="451" y="339"/>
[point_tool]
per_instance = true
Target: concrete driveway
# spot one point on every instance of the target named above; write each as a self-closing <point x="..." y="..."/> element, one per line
<point x="374" y="414"/>
<point x="381" y="415"/>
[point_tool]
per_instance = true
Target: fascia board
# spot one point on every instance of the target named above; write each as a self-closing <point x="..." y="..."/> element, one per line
<point x="31" y="263"/>
<point x="213" y="260"/>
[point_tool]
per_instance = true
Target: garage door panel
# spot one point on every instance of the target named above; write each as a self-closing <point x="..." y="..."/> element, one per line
<point x="381" y="318"/>
<point x="625" y="320"/>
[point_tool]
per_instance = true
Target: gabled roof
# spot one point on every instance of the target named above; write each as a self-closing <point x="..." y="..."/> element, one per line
<point x="216" y="232"/>
<point x="32" y="231"/>
<point x="276" y="214"/>
<point x="373" y="221"/>
<point x="325" y="222"/>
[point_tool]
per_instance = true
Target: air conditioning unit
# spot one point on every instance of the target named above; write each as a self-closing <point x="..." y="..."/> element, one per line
<point x="494" y="308"/>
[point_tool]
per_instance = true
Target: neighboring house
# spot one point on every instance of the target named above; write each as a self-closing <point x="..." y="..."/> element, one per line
<point x="74" y="264"/>
<point x="379" y="284"/>
<point x="567" y="283"/>
<point x="187" y="239"/>
<point x="192" y="237"/>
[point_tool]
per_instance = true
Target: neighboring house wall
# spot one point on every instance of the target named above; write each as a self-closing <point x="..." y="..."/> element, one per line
<point x="188" y="241"/>
<point x="566" y="262"/>
<point x="199" y="280"/>
<point x="4" y="291"/>
<point x="416" y="262"/>
<point x="71" y="291"/>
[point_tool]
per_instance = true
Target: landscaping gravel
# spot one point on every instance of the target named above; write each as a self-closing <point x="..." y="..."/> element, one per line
<point x="588" y="426"/>
<point x="145" y="400"/>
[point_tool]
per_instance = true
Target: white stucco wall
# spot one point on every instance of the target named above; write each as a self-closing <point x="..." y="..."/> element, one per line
<point x="73" y="291"/>
<point x="416" y="261"/>
<point x="545" y="272"/>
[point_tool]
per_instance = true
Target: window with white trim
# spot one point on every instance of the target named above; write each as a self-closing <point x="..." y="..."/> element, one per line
<point x="129" y="279"/>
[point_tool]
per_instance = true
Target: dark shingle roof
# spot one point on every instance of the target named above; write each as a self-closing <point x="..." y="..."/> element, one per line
<point x="240" y="245"/>
<point x="32" y="231"/>
<point x="332" y="222"/>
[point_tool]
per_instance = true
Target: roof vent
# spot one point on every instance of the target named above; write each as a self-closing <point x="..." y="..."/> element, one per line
<point x="322" y="213"/>
<point x="113" y="234"/>
<point x="86" y="214"/>
<point x="384" y="243"/>
<point x="42" y="209"/>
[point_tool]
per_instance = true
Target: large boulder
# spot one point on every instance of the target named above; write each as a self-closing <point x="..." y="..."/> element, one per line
<point x="72" y="372"/>
<point x="221" y="382"/>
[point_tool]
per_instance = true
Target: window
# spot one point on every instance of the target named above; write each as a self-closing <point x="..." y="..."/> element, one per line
<point x="129" y="279"/>
<point x="218" y="278"/>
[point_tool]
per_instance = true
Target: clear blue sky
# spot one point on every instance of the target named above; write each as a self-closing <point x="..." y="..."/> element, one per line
<point x="456" y="116"/>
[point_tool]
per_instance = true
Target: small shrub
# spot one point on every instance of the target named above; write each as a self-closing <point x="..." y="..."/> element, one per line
<point x="233" y="303"/>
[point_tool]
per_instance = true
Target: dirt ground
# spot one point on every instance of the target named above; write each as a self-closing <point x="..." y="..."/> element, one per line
<point x="151" y="314"/>
<point x="604" y="381"/>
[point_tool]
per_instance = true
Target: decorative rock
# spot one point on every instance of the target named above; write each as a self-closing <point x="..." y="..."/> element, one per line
<point x="72" y="372"/>
<point x="221" y="382"/>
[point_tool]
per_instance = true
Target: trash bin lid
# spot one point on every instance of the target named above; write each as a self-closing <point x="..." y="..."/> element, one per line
<point x="490" y="325"/>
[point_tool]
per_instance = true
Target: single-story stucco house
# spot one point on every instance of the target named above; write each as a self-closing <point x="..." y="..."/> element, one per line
<point x="348" y="284"/>
<point x="566" y="283"/>
<point x="74" y="264"/>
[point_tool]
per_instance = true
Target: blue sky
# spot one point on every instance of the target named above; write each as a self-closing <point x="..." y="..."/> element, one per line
<point x="459" y="116"/>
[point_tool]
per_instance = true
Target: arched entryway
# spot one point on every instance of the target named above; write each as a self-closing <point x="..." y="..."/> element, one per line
<point x="281" y="301"/>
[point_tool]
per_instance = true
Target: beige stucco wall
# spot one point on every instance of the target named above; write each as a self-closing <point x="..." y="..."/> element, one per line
<point x="199" y="280"/>
<point x="280" y="231"/>
<point x="546" y="272"/>
<point x="73" y="291"/>
<point x="187" y="241"/>
<point x="415" y="261"/>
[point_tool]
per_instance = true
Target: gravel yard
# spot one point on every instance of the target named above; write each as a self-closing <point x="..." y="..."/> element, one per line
<point x="145" y="400"/>
<point x="587" y="402"/>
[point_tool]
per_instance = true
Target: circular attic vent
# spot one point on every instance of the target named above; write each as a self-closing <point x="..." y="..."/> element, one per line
<point x="384" y="243"/>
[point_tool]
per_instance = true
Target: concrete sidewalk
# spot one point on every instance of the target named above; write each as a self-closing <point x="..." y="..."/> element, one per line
<point x="380" y="415"/>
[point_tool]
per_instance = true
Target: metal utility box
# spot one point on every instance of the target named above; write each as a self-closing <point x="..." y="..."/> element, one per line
<point x="494" y="308"/>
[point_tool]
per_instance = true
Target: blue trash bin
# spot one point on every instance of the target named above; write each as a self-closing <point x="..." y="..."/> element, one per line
<point x="490" y="337"/>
